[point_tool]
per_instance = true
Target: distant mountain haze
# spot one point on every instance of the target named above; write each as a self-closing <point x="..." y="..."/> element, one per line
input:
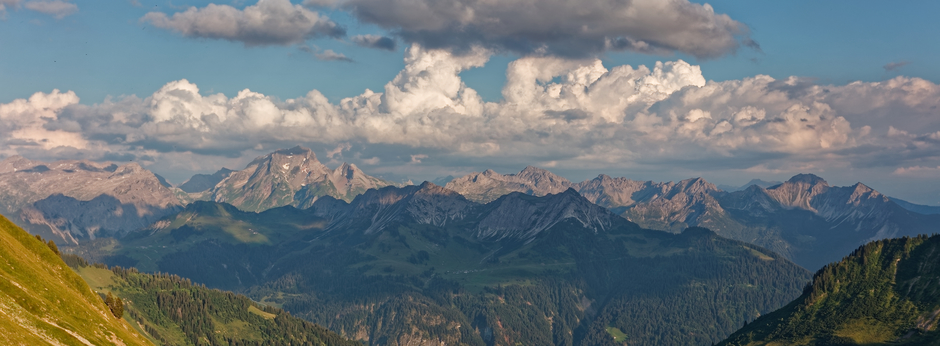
<point x="804" y="218"/>
<point x="758" y="182"/>
<point x="203" y="182"/>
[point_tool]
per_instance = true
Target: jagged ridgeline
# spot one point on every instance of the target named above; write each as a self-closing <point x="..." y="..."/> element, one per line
<point x="885" y="293"/>
<point x="172" y="311"/>
<point x="422" y="265"/>
<point x="43" y="302"/>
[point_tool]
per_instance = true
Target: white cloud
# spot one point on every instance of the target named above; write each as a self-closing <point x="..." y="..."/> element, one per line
<point x="56" y="8"/>
<point x="23" y="120"/>
<point x="269" y="22"/>
<point x="330" y="55"/>
<point x="418" y="158"/>
<point x="573" y="113"/>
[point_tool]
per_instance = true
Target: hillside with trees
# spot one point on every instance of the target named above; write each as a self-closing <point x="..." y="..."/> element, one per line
<point x="885" y="293"/>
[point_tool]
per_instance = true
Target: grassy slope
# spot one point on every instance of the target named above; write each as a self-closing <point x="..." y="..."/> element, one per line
<point x="885" y="293"/>
<point x="42" y="301"/>
<point x="173" y="311"/>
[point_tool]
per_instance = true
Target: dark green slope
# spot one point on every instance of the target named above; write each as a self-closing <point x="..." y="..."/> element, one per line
<point x="885" y="293"/>
<point x="42" y="302"/>
<point x="173" y="311"/>
<point x="421" y="265"/>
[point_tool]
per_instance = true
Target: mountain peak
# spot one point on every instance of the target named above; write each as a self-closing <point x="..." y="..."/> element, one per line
<point x="522" y="217"/>
<point x="810" y="179"/>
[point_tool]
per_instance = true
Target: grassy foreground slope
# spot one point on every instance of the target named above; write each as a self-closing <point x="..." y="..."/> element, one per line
<point x="43" y="302"/>
<point x="173" y="311"/>
<point x="885" y="293"/>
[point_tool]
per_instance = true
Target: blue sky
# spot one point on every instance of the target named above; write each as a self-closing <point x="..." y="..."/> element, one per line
<point x="108" y="51"/>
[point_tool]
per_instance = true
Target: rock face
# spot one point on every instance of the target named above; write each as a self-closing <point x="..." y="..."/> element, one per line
<point x="74" y="200"/>
<point x="489" y="185"/>
<point x="667" y="206"/>
<point x="291" y="177"/>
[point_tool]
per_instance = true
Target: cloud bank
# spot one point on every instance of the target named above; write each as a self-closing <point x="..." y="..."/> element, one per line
<point x="573" y="113"/>
<point x="556" y="27"/>
<point x="269" y="22"/>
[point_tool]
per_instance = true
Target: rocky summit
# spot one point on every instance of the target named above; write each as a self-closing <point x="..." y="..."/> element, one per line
<point x="291" y="177"/>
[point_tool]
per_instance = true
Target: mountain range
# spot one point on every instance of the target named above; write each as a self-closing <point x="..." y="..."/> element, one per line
<point x="75" y="201"/>
<point x="804" y="218"/>
<point x="72" y="200"/>
<point x="423" y="265"/>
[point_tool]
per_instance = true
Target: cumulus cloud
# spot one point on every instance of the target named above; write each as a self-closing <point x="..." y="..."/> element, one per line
<point x="269" y="22"/>
<point x="56" y="8"/>
<point x="375" y="41"/>
<point x="556" y="27"/>
<point x="572" y="113"/>
<point x="22" y="123"/>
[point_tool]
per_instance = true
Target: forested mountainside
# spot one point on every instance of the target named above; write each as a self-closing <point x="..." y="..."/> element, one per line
<point x="173" y="311"/>
<point x="805" y="219"/>
<point x="43" y="302"/>
<point x="422" y="265"/>
<point x="887" y="292"/>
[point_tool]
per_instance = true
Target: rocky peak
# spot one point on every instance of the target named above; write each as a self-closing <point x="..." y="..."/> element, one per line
<point x="696" y="186"/>
<point x="15" y="163"/>
<point x="489" y="185"/>
<point x="291" y="177"/>
<point x="807" y="179"/>
<point x="799" y="191"/>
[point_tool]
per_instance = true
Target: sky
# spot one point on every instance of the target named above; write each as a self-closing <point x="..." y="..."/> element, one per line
<point x="419" y="89"/>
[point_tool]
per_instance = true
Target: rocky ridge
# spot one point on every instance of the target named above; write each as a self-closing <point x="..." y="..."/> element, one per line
<point x="291" y="177"/>
<point x="801" y="218"/>
<point x="73" y="200"/>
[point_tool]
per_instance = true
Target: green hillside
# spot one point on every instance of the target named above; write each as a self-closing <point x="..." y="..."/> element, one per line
<point x="43" y="302"/>
<point x="173" y="311"/>
<point x="885" y="293"/>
